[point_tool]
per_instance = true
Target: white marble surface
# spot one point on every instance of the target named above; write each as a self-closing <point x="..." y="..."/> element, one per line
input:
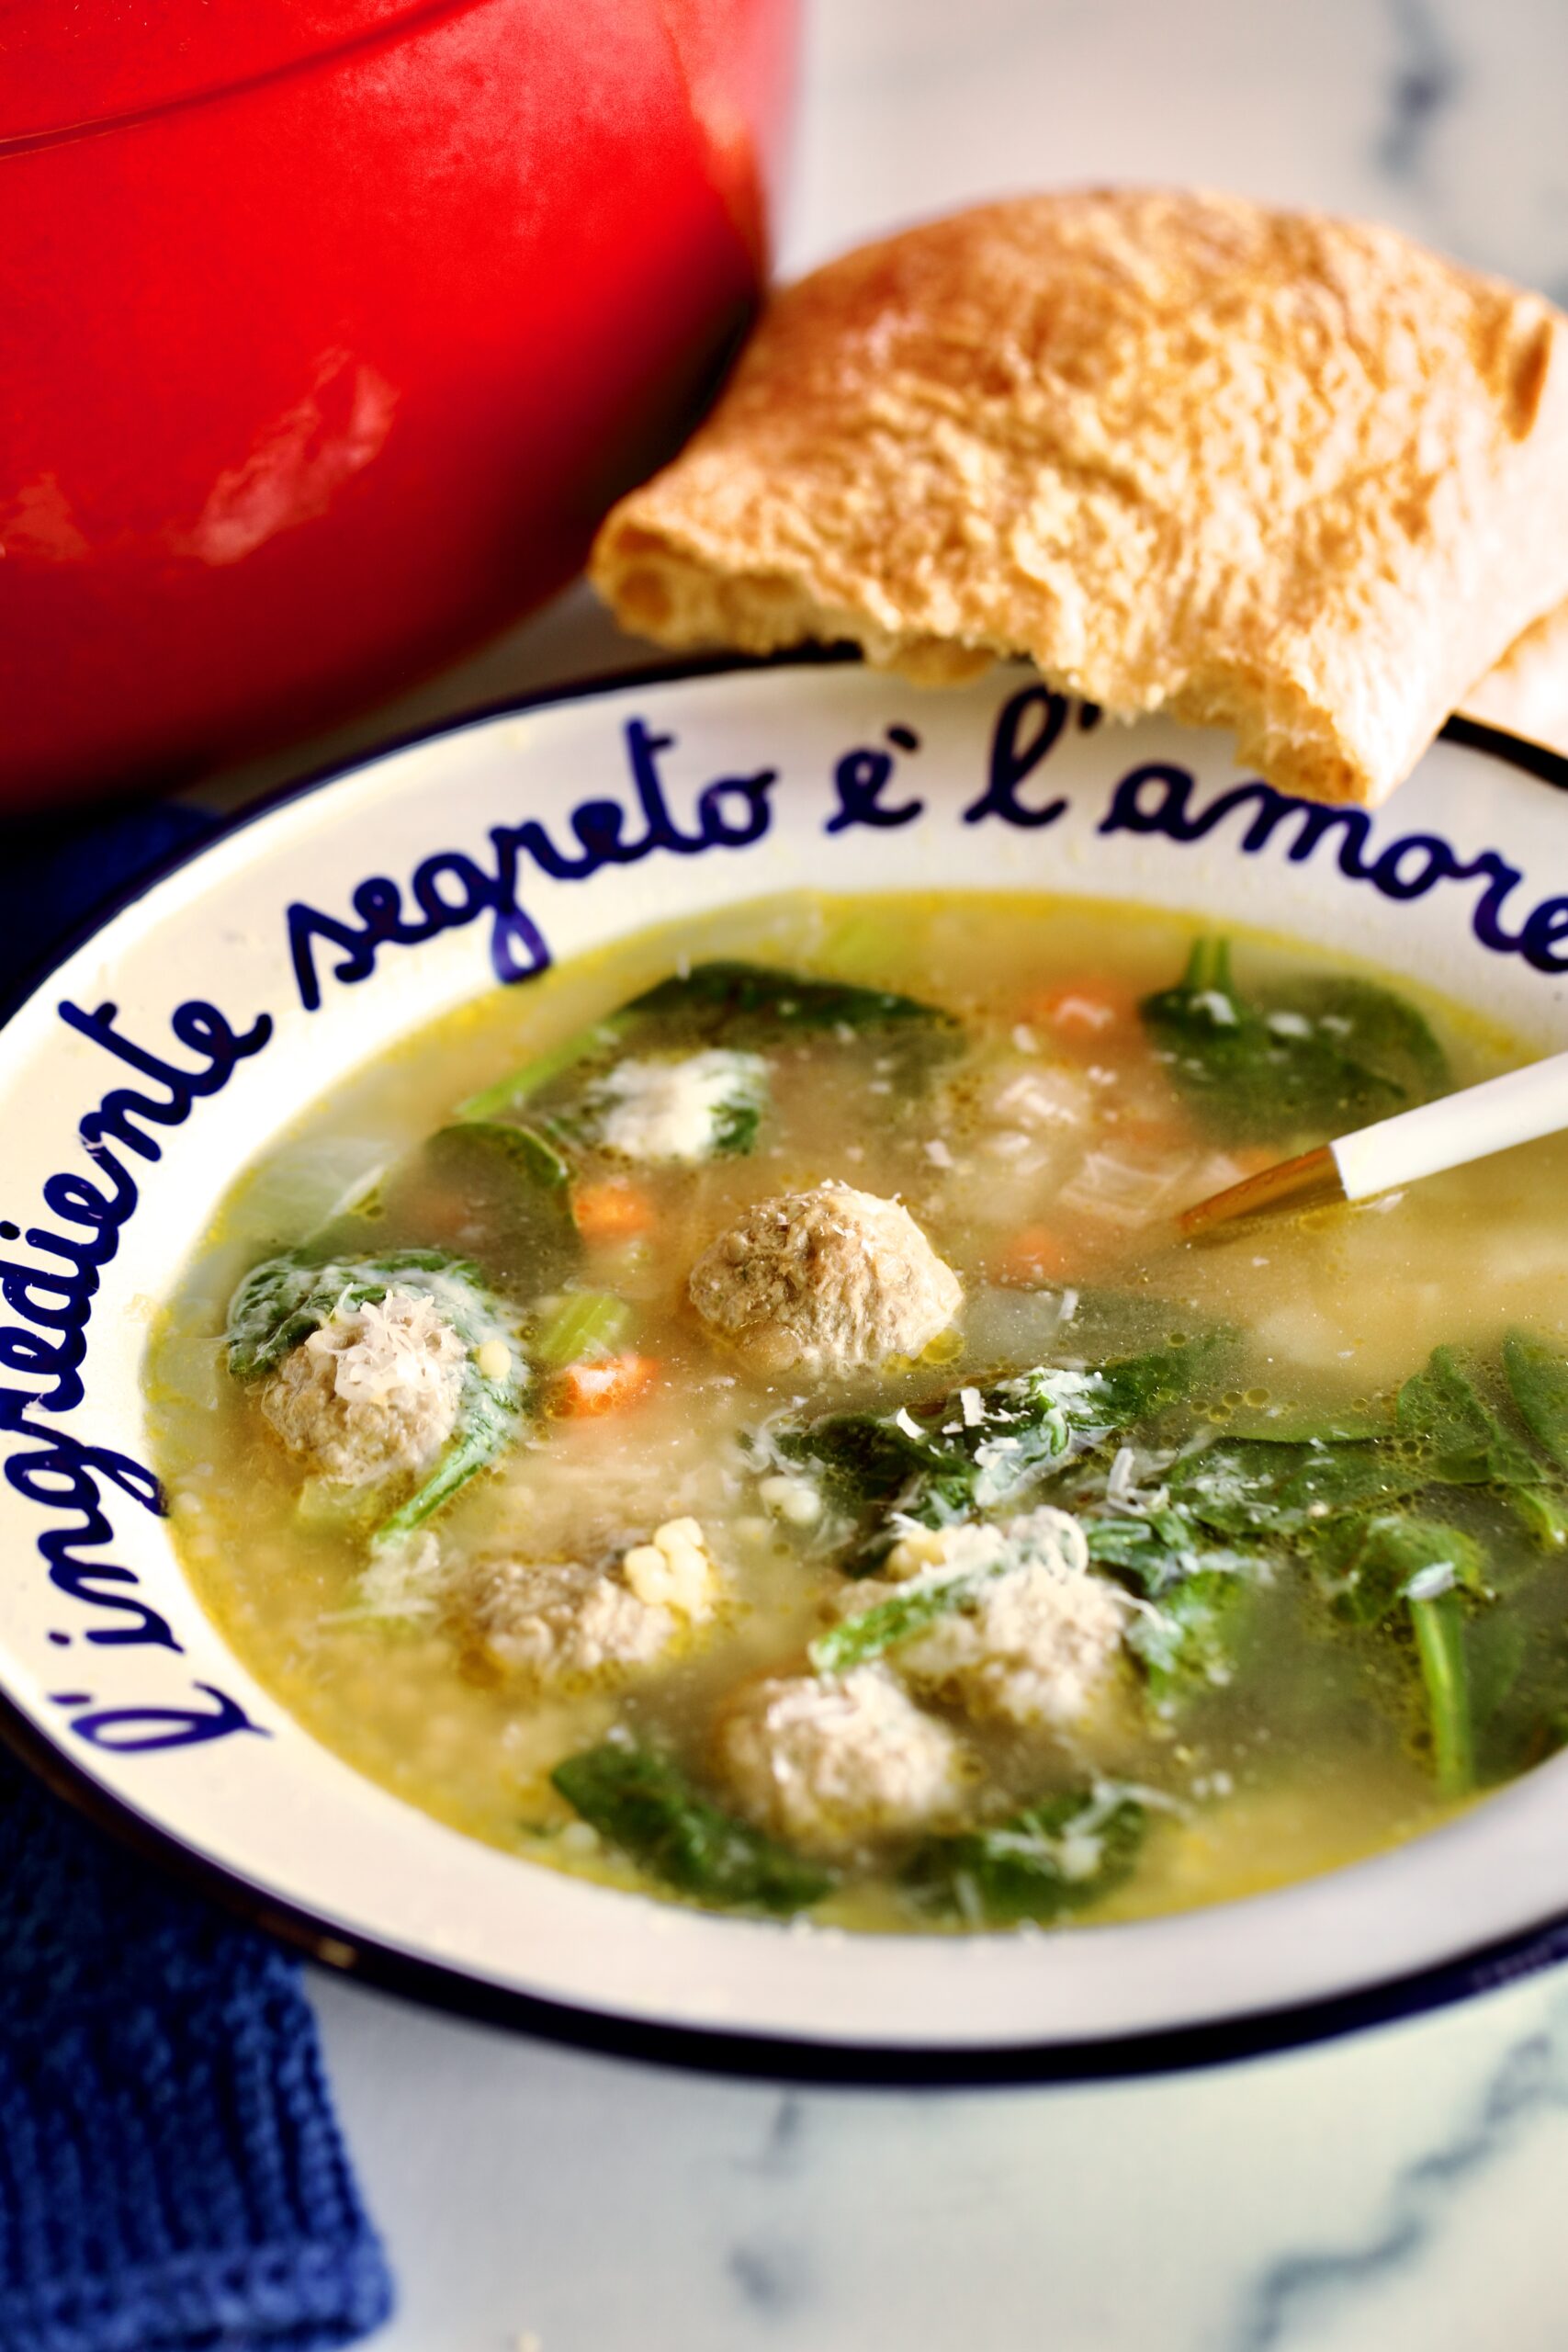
<point x="1397" y="2193"/>
<point x="1402" y="2189"/>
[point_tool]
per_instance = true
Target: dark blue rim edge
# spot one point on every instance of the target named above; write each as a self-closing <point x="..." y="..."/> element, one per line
<point x="1485" y="1968"/>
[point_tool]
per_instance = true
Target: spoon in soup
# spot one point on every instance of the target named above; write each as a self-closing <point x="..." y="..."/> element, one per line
<point x="1501" y="1111"/>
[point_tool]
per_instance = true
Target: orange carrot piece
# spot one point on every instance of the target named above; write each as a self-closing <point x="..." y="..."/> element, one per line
<point x="1037" y="1254"/>
<point x="601" y="1384"/>
<point x="613" y="1211"/>
<point x="1087" y="1008"/>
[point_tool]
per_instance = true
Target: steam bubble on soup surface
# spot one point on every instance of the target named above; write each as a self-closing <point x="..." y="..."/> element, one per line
<point x="747" y="1434"/>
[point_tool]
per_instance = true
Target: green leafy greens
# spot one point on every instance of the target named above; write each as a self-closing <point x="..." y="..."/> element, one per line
<point x="1463" y="1442"/>
<point x="1538" y="1382"/>
<point x="641" y="1801"/>
<point x="1062" y="1854"/>
<point x="1292" y="1064"/>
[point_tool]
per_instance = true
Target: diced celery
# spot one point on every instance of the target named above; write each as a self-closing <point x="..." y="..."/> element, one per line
<point x="519" y="1084"/>
<point x="333" y="1507"/>
<point x="585" y="1323"/>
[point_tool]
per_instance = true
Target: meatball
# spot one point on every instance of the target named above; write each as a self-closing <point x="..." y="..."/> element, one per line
<point x="557" y="1623"/>
<point x="373" y="1392"/>
<point x="1037" y="1646"/>
<point x="827" y="1763"/>
<point x="828" y="1280"/>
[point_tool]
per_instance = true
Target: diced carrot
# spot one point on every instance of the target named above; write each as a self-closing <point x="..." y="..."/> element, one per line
<point x="1087" y="1009"/>
<point x="601" y="1384"/>
<point x="613" y="1211"/>
<point x="1038" y="1254"/>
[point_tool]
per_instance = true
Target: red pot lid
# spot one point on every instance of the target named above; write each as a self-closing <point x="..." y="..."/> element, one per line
<point x="66" y="66"/>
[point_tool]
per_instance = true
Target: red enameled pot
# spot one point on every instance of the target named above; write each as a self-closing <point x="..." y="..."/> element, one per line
<point x="328" y="328"/>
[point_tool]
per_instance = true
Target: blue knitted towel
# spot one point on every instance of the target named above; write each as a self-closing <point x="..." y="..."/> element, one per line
<point x="172" y="2178"/>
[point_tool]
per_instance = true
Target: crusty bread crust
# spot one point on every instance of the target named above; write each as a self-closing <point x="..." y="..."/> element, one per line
<point x="1528" y="690"/>
<point x="1269" y="471"/>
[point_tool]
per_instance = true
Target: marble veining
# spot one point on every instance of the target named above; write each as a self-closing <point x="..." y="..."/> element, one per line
<point x="1301" y="2293"/>
<point x="1428" y="78"/>
<point x="770" y="2276"/>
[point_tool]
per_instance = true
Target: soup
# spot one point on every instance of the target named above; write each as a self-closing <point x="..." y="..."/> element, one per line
<point x="732" y="1420"/>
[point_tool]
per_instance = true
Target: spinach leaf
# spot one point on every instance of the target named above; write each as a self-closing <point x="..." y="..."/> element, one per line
<point x="1464" y="1443"/>
<point x="868" y="1460"/>
<point x="1138" y="1387"/>
<point x="739" y="1125"/>
<point x="1494" y="1649"/>
<point x="1519" y="1684"/>
<point x="1338" y="1479"/>
<point x="1292" y="1064"/>
<point x="1060" y="1855"/>
<point x="642" y="1801"/>
<point x="1201" y="1588"/>
<point x="1189" y="1644"/>
<point x="1221" y="1053"/>
<point x="746" y="1004"/>
<point x="1201" y="1591"/>
<point x="1160" y="1546"/>
<point x="506" y="1189"/>
<point x="490" y="1152"/>
<point x="936" y="1470"/>
<point x="1370" y="1565"/>
<point x="724" y="1002"/>
<point x="1151" y="1551"/>
<point x="1538" y="1381"/>
<point x="1375" y="1028"/>
<point x="1285" y="1424"/>
<point x="1253" y="1488"/>
<point x="1386" y="1562"/>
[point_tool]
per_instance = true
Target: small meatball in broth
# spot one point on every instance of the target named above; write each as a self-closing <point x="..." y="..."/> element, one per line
<point x="830" y="1766"/>
<point x="825" y="1282"/>
<point x="374" y="1392"/>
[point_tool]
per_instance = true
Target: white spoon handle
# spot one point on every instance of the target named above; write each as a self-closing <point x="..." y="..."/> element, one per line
<point x="1501" y="1111"/>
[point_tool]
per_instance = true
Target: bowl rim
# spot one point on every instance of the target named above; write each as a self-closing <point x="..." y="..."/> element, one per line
<point x="1487" y="1966"/>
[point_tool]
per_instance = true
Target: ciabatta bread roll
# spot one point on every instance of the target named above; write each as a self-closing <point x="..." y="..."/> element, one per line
<point x="1263" y="471"/>
<point x="1526" y="692"/>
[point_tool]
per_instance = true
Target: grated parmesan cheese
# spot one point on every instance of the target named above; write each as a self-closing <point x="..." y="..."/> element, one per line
<point x="677" y="1111"/>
